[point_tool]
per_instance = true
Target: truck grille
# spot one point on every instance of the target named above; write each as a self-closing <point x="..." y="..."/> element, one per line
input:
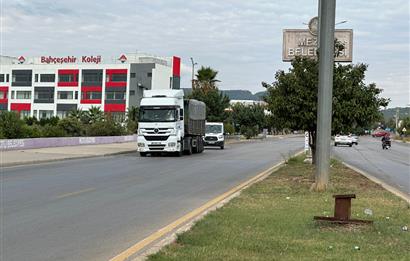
<point x="211" y="138"/>
<point x="156" y="147"/>
<point x="156" y="137"/>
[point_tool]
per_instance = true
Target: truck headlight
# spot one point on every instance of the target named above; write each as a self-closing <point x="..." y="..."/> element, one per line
<point x="141" y="144"/>
<point x="172" y="144"/>
<point x="220" y="136"/>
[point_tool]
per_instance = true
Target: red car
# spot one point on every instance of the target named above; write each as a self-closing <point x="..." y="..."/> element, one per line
<point x="380" y="133"/>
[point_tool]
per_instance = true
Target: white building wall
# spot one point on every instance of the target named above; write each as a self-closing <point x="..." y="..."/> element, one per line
<point x="161" y="77"/>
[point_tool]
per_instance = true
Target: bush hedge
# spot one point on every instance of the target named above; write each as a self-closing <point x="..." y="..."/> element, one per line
<point x="12" y="127"/>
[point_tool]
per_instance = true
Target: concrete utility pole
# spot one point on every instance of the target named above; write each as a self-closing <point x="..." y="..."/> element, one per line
<point x="324" y="111"/>
<point x="193" y="71"/>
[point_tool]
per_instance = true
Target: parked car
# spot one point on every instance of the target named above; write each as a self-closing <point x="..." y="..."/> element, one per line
<point x="343" y="140"/>
<point x="355" y="139"/>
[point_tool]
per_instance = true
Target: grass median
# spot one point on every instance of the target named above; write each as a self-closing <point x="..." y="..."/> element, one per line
<point x="273" y="220"/>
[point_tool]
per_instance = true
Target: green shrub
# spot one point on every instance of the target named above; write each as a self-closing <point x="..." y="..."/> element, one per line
<point x="132" y="126"/>
<point x="33" y="131"/>
<point x="249" y="132"/>
<point x="51" y="121"/>
<point x="72" y="126"/>
<point x="229" y="128"/>
<point x="31" y="120"/>
<point x="53" y="131"/>
<point x="11" y="126"/>
<point x="108" y="127"/>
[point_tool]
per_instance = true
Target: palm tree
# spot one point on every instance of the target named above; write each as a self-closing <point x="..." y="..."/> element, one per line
<point x="132" y="113"/>
<point x="77" y="114"/>
<point x="206" y="78"/>
<point x="95" y="114"/>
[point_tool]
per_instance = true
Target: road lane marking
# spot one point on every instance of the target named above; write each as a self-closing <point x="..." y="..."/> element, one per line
<point x="189" y="216"/>
<point x="75" y="193"/>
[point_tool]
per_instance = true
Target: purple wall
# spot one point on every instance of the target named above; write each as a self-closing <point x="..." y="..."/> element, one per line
<point x="20" y="144"/>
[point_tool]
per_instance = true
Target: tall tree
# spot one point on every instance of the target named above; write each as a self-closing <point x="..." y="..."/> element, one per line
<point x="206" y="78"/>
<point x="206" y="90"/>
<point x="292" y="98"/>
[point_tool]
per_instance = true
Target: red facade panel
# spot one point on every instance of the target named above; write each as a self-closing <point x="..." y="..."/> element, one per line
<point x="118" y="71"/>
<point x="20" y="106"/>
<point x="4" y="89"/>
<point x="110" y="72"/>
<point x="114" y="107"/>
<point x="91" y="89"/>
<point x="176" y="66"/>
<point x="73" y="72"/>
<point x="86" y="101"/>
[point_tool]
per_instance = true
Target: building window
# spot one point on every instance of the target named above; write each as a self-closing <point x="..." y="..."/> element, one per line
<point x="64" y="95"/>
<point x="45" y="114"/>
<point x="24" y="114"/>
<point x="2" y="77"/>
<point x="36" y="77"/>
<point x="132" y="93"/>
<point x="149" y="75"/>
<point x="44" y="94"/>
<point x="66" y="78"/>
<point x="76" y="95"/>
<point x="115" y="95"/>
<point x="25" y="95"/>
<point x="21" y="78"/>
<point x="133" y="75"/>
<point x="118" y="116"/>
<point x="3" y="94"/>
<point x="7" y="77"/>
<point x="92" y="96"/>
<point x="92" y="77"/>
<point x="12" y="94"/>
<point x="62" y="114"/>
<point x="47" y="78"/>
<point x="119" y="77"/>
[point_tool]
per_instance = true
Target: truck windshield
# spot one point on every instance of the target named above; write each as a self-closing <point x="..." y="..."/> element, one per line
<point x="157" y="114"/>
<point x="213" y="129"/>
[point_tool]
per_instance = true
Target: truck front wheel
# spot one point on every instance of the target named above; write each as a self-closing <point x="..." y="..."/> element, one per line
<point x="143" y="154"/>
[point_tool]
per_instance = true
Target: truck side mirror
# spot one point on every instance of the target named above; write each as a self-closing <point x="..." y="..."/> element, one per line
<point x="181" y="114"/>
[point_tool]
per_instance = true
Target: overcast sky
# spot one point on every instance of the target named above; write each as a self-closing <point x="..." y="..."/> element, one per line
<point x="242" y="39"/>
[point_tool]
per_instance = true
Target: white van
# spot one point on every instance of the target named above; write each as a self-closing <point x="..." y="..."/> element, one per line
<point x="214" y="134"/>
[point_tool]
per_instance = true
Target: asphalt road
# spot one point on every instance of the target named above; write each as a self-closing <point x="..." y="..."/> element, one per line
<point x="391" y="166"/>
<point x="93" y="209"/>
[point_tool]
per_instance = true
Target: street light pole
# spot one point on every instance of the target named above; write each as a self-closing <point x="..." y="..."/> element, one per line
<point x="324" y="111"/>
<point x="193" y="71"/>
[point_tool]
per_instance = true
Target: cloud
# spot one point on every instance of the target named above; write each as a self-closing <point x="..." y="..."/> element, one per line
<point x="239" y="38"/>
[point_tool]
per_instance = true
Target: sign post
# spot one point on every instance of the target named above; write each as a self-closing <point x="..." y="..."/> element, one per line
<point x="324" y="111"/>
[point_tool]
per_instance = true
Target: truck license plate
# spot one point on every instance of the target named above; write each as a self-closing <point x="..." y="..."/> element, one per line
<point x="156" y="143"/>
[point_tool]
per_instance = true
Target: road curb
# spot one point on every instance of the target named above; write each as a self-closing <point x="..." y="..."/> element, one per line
<point x="380" y="182"/>
<point x="166" y="235"/>
<point x="38" y="162"/>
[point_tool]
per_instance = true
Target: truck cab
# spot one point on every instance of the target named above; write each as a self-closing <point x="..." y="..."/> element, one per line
<point x="170" y="124"/>
<point x="214" y="134"/>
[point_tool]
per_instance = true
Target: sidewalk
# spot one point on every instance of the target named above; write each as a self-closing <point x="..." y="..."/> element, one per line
<point x="33" y="156"/>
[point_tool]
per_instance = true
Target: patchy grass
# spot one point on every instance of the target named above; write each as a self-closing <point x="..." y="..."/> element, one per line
<point x="273" y="220"/>
<point x="403" y="139"/>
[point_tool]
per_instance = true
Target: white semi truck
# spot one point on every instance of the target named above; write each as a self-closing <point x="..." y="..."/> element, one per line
<point x="168" y="123"/>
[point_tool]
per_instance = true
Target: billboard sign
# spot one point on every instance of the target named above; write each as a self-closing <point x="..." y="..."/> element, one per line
<point x="302" y="42"/>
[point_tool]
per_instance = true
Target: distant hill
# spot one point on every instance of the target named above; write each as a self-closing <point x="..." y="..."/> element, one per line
<point x="236" y="94"/>
<point x="391" y="112"/>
